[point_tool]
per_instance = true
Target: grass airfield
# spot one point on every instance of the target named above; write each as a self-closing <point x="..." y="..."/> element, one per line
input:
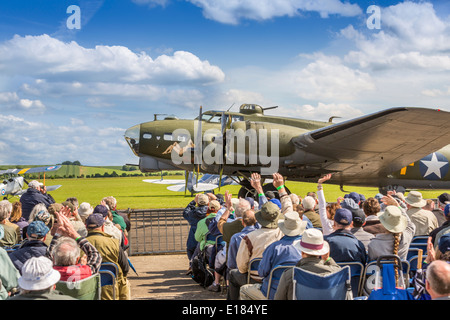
<point x="132" y="192"/>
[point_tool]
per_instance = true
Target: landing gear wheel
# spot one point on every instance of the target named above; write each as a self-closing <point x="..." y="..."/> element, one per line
<point x="250" y="192"/>
<point x="396" y="188"/>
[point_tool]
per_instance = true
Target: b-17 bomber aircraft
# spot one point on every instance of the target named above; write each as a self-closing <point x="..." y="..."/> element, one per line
<point x="397" y="148"/>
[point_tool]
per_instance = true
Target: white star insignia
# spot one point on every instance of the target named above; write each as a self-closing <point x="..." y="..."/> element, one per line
<point x="433" y="166"/>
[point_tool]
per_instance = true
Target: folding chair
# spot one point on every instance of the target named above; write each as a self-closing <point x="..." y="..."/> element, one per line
<point x="420" y="239"/>
<point x="108" y="275"/>
<point x="274" y="277"/>
<point x="387" y="289"/>
<point x="356" y="271"/>
<point x="420" y="242"/>
<point x="369" y="275"/>
<point x="253" y="265"/>
<point x="312" y="286"/>
<point x="85" y="289"/>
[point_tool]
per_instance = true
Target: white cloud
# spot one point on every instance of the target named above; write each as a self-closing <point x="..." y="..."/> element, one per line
<point x="12" y="100"/>
<point x="322" y="111"/>
<point x="49" y="58"/>
<point x="233" y="11"/>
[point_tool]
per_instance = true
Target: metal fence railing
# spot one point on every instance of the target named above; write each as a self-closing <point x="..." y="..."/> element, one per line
<point x="157" y="231"/>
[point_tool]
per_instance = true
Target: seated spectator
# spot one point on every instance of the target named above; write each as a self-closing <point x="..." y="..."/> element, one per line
<point x="111" y="251"/>
<point x="74" y="217"/>
<point x="371" y="209"/>
<point x="442" y="200"/>
<point x="16" y="218"/>
<point x="344" y="246"/>
<point x="40" y="213"/>
<point x="9" y="274"/>
<point x="282" y="252"/>
<point x="326" y="213"/>
<point x="438" y="280"/>
<point x="253" y="245"/>
<point x="38" y="281"/>
<point x="399" y="232"/>
<point x="193" y="213"/>
<point x="442" y="252"/>
<point x="248" y="222"/>
<point x="315" y="258"/>
<point x="445" y="226"/>
<point x="85" y="210"/>
<point x="11" y="231"/>
<point x="359" y="219"/>
<point x="65" y="252"/>
<point x="295" y="200"/>
<point x="35" y="246"/>
<point x="228" y="229"/>
<point x="35" y="194"/>
<point x="424" y="220"/>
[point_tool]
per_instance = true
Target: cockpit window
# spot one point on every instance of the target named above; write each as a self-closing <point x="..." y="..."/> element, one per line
<point x="132" y="137"/>
<point x="147" y="136"/>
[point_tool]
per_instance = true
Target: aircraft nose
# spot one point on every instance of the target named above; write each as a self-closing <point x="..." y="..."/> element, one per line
<point x="132" y="137"/>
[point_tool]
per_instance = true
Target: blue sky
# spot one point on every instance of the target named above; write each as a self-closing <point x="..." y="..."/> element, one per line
<point x="71" y="94"/>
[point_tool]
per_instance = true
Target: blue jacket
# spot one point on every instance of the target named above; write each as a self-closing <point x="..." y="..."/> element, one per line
<point x="29" y="249"/>
<point x="31" y="198"/>
<point x="193" y="214"/>
<point x="345" y="247"/>
<point x="233" y="246"/>
<point x="282" y="252"/>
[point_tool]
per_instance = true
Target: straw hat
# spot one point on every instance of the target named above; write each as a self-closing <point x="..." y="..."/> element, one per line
<point x="38" y="274"/>
<point x="414" y="199"/>
<point x="312" y="242"/>
<point x="393" y="219"/>
<point x="292" y="225"/>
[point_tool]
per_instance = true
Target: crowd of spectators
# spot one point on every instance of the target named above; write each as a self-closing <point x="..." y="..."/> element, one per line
<point x="43" y="243"/>
<point x="282" y="229"/>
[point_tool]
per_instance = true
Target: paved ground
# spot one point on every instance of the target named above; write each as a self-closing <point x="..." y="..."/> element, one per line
<point x="164" y="277"/>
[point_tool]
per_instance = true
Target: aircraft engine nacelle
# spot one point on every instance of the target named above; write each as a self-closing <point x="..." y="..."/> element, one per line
<point x="150" y="164"/>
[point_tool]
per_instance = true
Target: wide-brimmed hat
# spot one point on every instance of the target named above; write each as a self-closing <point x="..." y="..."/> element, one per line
<point x="393" y="219"/>
<point x="268" y="215"/>
<point x="312" y="243"/>
<point x="38" y="274"/>
<point x="414" y="199"/>
<point x="292" y="225"/>
<point x="85" y="210"/>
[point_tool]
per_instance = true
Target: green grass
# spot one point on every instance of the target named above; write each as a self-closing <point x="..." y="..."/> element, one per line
<point x="132" y="192"/>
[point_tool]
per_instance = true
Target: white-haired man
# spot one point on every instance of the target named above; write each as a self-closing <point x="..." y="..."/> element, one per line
<point x="309" y="204"/>
<point x="35" y="194"/>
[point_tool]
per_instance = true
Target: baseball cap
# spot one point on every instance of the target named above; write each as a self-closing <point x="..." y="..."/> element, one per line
<point x="94" y="221"/>
<point x="343" y="216"/>
<point x="101" y="209"/>
<point x="37" y="229"/>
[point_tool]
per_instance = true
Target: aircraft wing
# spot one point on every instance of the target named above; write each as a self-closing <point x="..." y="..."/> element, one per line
<point x="200" y="187"/>
<point x="379" y="143"/>
<point x="159" y="181"/>
<point x="30" y="170"/>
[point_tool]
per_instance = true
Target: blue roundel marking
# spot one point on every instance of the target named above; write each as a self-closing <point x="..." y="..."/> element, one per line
<point x="50" y="168"/>
<point x="434" y="166"/>
<point x="3" y="192"/>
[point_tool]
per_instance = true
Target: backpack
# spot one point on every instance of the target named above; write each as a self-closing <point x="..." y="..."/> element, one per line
<point x="200" y="272"/>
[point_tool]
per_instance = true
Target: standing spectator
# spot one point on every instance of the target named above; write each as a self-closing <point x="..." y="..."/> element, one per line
<point x="315" y="258"/>
<point x="442" y="200"/>
<point x="34" y="247"/>
<point x="325" y="212"/>
<point x="193" y="213"/>
<point x="34" y="195"/>
<point x="111" y="202"/>
<point x="38" y="281"/>
<point x="438" y="280"/>
<point x="109" y="227"/>
<point x="359" y="218"/>
<point x="309" y="205"/>
<point x="228" y="229"/>
<point x="11" y="231"/>
<point x="85" y="210"/>
<point x="111" y="251"/>
<point x="16" y="217"/>
<point x="8" y="272"/>
<point x="399" y="232"/>
<point x="424" y="220"/>
<point x="344" y="246"/>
